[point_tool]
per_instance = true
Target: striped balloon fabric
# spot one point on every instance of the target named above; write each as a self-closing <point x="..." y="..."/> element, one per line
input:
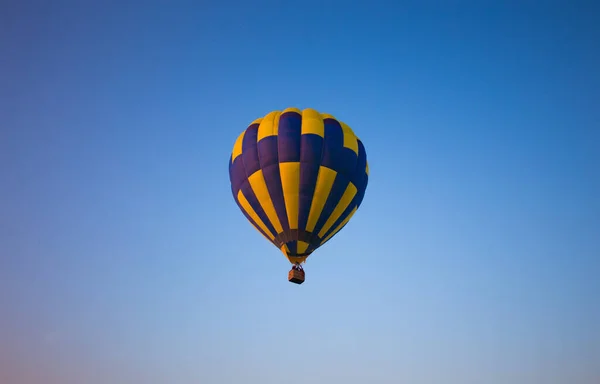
<point x="298" y="177"/>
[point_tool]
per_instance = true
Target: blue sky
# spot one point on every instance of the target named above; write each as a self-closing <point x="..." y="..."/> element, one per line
<point x="473" y="258"/>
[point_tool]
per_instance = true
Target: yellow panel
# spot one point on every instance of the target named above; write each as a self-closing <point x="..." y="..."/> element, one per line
<point x="297" y="259"/>
<point x="292" y="259"/>
<point x="325" y="181"/>
<point x="290" y="182"/>
<point x="250" y="211"/>
<point x="312" y="123"/>
<point x="367" y="168"/>
<point x="259" y="186"/>
<point x="237" y="147"/>
<point x="268" y="126"/>
<point x="257" y="121"/>
<point x="341" y="206"/>
<point x="327" y="116"/>
<point x="311" y="112"/>
<point x="302" y="246"/>
<point x="337" y="229"/>
<point x="292" y="110"/>
<point x="350" y="140"/>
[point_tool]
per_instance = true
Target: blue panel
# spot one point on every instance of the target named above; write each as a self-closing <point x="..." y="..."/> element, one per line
<point x="290" y="125"/>
<point x="267" y="151"/>
<point x="310" y="159"/>
<point x="346" y="162"/>
<point x="335" y="156"/>
<point x="237" y="174"/>
<point x="250" y="150"/>
<point x="313" y="245"/>
<point x="251" y="197"/>
<point x="269" y="162"/>
<point x="361" y="163"/>
<point x="293" y="247"/>
<point x="332" y="145"/>
<point x="311" y="148"/>
<point x="337" y="191"/>
<point x="344" y="214"/>
<point x="273" y="181"/>
<point x="291" y="114"/>
<point x="250" y="219"/>
<point x="325" y="237"/>
<point x="363" y="187"/>
<point x="308" y="181"/>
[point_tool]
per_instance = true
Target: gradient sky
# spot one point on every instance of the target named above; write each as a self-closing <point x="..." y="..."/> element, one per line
<point x="474" y="258"/>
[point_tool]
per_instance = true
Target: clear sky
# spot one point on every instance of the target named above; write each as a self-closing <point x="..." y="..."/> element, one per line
<point x="474" y="258"/>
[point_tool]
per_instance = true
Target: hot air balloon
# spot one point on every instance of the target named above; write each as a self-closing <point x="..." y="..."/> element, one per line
<point x="298" y="176"/>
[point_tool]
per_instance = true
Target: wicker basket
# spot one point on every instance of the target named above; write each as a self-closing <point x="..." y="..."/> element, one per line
<point x="296" y="276"/>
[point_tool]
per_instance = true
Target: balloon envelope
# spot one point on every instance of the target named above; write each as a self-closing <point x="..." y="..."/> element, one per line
<point x="298" y="177"/>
